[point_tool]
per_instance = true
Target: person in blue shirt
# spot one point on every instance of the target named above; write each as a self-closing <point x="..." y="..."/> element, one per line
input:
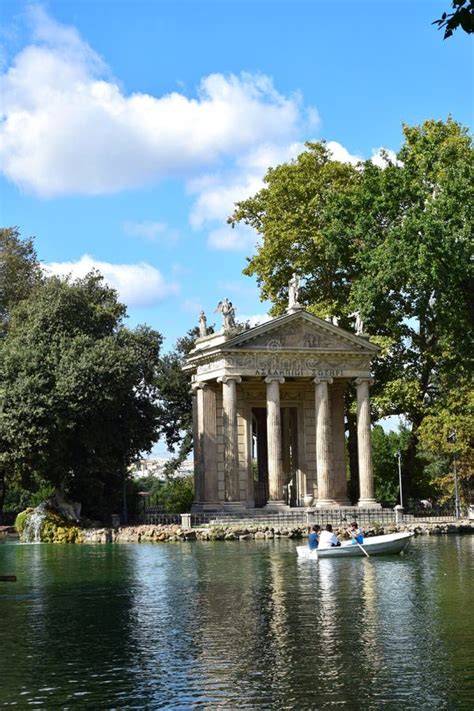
<point x="313" y="538"/>
<point x="356" y="533"/>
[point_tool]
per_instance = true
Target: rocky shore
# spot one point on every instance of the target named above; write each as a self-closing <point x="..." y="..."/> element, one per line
<point x="175" y="533"/>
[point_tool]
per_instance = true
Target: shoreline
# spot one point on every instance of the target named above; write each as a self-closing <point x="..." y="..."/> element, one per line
<point x="162" y="533"/>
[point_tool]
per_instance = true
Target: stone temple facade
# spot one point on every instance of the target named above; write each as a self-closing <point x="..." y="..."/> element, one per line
<point x="268" y="409"/>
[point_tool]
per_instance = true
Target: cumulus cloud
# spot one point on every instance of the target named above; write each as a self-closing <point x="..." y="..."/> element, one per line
<point x="216" y="194"/>
<point x="137" y="284"/>
<point x="383" y="156"/>
<point x="69" y="128"/>
<point x="338" y="152"/>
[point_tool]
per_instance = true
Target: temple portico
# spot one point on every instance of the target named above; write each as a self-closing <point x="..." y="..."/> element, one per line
<point x="269" y="418"/>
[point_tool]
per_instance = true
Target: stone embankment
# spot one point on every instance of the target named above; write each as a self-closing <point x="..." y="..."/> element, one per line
<point x="175" y="533"/>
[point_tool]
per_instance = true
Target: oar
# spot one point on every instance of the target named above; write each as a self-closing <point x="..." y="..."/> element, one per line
<point x="362" y="549"/>
<point x="8" y="578"/>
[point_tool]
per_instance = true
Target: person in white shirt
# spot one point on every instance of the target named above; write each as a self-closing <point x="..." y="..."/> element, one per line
<point x="327" y="538"/>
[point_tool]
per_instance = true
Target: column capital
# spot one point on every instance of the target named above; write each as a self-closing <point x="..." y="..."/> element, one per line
<point x="198" y="385"/>
<point x="273" y="378"/>
<point x="226" y="378"/>
<point x="368" y="379"/>
<point x="317" y="381"/>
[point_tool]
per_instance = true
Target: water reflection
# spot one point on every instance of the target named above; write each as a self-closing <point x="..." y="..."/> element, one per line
<point x="242" y="625"/>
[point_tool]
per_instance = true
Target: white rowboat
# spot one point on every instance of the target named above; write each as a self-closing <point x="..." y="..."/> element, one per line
<point x="375" y="545"/>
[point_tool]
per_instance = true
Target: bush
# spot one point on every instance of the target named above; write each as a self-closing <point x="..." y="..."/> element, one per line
<point x="173" y="495"/>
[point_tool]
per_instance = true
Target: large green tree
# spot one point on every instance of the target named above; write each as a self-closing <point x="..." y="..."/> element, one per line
<point x="175" y="400"/>
<point x="77" y="397"/>
<point x="391" y="242"/>
<point x="20" y="271"/>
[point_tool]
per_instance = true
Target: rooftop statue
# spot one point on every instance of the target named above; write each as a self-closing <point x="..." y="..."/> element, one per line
<point x="293" y="291"/>
<point x="228" y="314"/>
<point x="359" y="324"/>
<point x="202" y="325"/>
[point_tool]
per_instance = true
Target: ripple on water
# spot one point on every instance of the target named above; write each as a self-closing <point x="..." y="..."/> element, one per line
<point x="236" y="626"/>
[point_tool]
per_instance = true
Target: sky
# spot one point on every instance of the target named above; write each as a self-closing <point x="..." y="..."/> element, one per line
<point x="130" y="127"/>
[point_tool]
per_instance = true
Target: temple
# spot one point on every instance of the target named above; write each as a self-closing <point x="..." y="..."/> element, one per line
<point x="269" y="417"/>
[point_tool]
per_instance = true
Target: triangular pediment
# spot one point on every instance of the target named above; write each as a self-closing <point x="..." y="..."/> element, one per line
<point x="299" y="331"/>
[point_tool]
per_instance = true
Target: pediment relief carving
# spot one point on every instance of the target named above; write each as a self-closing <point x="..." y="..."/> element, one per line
<point x="299" y="336"/>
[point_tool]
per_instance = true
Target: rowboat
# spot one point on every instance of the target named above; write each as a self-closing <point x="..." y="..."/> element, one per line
<point x="375" y="545"/>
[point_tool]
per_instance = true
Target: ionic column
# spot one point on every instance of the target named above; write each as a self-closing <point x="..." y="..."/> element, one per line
<point x="339" y="483"/>
<point x="231" y="447"/>
<point x="324" y="458"/>
<point x="364" y="445"/>
<point x="275" y="466"/>
<point x="197" y="442"/>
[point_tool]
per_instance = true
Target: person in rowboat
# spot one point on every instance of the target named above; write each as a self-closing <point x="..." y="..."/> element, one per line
<point x="357" y="534"/>
<point x="328" y="539"/>
<point x="313" y="538"/>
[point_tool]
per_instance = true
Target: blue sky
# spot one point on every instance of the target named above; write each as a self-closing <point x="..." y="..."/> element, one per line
<point x="130" y="127"/>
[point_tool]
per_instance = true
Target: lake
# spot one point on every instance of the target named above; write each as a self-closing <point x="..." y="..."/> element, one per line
<point x="236" y="625"/>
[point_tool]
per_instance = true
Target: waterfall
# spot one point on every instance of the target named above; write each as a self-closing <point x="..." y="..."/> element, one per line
<point x="34" y="524"/>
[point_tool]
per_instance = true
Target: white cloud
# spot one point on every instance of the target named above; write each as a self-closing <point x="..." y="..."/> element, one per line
<point x="137" y="284"/>
<point x="69" y="128"/>
<point x="217" y="194"/>
<point x="381" y="156"/>
<point x="338" y="152"/>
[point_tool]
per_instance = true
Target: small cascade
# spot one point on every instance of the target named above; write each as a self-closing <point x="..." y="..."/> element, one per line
<point x="34" y="524"/>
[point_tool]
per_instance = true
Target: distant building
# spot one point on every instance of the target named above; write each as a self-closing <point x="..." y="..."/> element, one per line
<point x="155" y="467"/>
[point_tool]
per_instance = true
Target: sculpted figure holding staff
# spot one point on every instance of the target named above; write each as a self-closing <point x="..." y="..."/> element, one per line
<point x="293" y="291"/>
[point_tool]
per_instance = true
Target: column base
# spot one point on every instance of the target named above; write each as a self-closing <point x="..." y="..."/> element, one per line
<point x="368" y="504"/>
<point x="199" y="506"/>
<point x="277" y="506"/>
<point x="328" y="503"/>
<point x="232" y="506"/>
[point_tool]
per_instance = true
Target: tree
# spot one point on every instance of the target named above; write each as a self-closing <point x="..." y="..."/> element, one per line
<point x="20" y="271"/>
<point x="453" y="416"/>
<point x="77" y="397"/>
<point x="392" y="243"/>
<point x="175" y="401"/>
<point x="463" y="16"/>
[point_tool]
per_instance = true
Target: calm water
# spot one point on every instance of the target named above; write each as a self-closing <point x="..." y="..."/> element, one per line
<point x="236" y="626"/>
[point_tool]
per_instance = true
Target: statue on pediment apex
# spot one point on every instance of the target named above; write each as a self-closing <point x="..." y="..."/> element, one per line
<point x="227" y="310"/>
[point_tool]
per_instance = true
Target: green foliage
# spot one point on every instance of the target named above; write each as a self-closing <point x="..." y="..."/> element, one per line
<point x="77" y="392"/>
<point x="19" y="271"/>
<point x="393" y="243"/>
<point x="21" y="520"/>
<point x="454" y="415"/>
<point x="175" y="401"/>
<point x="174" y="495"/>
<point x="462" y="16"/>
<point x="18" y="497"/>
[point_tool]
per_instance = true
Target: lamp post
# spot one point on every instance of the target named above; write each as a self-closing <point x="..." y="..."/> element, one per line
<point x="398" y="454"/>
<point x="452" y="440"/>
